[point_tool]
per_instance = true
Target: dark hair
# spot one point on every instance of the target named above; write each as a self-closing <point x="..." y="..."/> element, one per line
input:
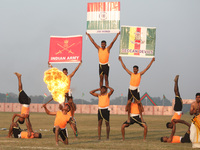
<point x="136" y="67"/>
<point x="65" y="69"/>
<point x="198" y="94"/>
<point x="40" y="135"/>
<point x="103" y="41"/>
<point x="104" y="87"/>
<point x="161" y="139"/>
<point x="167" y="124"/>
<point x="21" y="122"/>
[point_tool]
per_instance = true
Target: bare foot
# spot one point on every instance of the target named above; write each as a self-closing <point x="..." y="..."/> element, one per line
<point x="144" y="140"/>
<point x="176" y="78"/>
<point x="17" y="74"/>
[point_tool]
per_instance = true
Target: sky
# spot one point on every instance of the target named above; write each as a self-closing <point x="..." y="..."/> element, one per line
<point x="26" y="27"/>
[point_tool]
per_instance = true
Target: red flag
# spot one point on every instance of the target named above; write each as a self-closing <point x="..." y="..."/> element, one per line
<point x="65" y="49"/>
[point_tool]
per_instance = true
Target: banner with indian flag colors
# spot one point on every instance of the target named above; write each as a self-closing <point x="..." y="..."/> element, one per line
<point x="103" y="17"/>
<point x="137" y="41"/>
<point x="65" y="49"/>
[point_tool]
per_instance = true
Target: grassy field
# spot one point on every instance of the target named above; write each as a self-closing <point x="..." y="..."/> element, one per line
<point x="87" y="139"/>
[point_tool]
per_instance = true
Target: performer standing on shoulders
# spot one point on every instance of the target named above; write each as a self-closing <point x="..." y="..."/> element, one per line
<point x="103" y="53"/>
<point x="133" y="91"/>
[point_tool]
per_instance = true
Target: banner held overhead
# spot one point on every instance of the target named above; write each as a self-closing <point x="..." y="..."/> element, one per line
<point x="65" y="49"/>
<point x="137" y="41"/>
<point x="103" y="17"/>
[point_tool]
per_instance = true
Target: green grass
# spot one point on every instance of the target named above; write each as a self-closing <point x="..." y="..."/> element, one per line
<point x="87" y="139"/>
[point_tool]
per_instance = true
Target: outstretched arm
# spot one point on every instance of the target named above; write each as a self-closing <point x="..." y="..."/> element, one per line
<point x="72" y="74"/>
<point x="47" y="111"/>
<point x="93" y="42"/>
<point x="111" y="44"/>
<point x="174" y="121"/>
<point x="142" y="72"/>
<point x="29" y="127"/>
<point x="169" y="140"/>
<point x="111" y="91"/>
<point x="93" y="92"/>
<point x="128" y="71"/>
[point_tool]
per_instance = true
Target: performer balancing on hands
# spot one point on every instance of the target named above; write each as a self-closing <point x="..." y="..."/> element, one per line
<point x="133" y="91"/>
<point x="103" y="110"/>
<point x="177" y="139"/>
<point x="103" y="53"/>
<point x="24" y="100"/>
<point x="177" y="106"/>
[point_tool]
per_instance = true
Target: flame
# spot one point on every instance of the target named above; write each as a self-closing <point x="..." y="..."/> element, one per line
<point x="57" y="83"/>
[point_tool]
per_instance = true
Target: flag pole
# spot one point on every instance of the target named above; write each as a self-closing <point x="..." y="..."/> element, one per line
<point x="163" y="100"/>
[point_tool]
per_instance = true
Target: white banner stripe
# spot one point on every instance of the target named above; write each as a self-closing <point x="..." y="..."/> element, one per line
<point x="104" y="31"/>
<point x="125" y="55"/>
<point x="107" y="15"/>
<point x="143" y="38"/>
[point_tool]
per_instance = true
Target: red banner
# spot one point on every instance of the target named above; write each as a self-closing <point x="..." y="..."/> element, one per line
<point x="65" y="49"/>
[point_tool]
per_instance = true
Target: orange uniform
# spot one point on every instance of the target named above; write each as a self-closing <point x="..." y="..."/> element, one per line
<point x="25" y="109"/>
<point x="24" y="135"/>
<point x="134" y="109"/>
<point x="135" y="79"/>
<point x="61" y="119"/>
<point x="103" y="56"/>
<point x="176" y="116"/>
<point x="70" y="113"/>
<point x="176" y="139"/>
<point x="104" y="101"/>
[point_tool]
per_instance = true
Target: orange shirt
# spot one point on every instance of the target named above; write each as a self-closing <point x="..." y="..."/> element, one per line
<point x="104" y="101"/>
<point x="61" y="119"/>
<point x="70" y="113"/>
<point x="134" y="108"/>
<point x="176" y="139"/>
<point x="25" y="109"/>
<point x="135" y="79"/>
<point x="103" y="55"/>
<point x="24" y="135"/>
<point x="176" y="116"/>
